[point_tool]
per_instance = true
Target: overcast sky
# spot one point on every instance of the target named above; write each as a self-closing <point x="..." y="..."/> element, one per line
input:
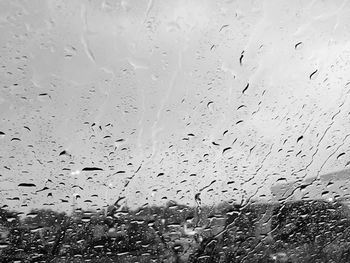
<point x="169" y="98"/>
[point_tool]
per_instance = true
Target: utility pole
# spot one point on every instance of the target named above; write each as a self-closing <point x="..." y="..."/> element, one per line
<point x="75" y="195"/>
<point x="74" y="203"/>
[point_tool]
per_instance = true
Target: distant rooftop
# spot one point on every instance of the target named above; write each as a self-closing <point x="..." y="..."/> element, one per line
<point x="317" y="189"/>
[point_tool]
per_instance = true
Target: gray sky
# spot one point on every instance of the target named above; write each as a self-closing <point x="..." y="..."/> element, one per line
<point x="166" y="85"/>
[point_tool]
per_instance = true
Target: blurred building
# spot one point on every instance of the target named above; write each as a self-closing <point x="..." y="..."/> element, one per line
<point x="4" y="232"/>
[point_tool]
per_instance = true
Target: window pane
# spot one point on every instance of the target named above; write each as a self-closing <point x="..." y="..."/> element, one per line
<point x="174" y="131"/>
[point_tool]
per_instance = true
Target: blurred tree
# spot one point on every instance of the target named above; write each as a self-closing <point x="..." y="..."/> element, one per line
<point x="8" y="219"/>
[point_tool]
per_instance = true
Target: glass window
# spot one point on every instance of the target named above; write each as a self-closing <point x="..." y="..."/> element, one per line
<point x="174" y="131"/>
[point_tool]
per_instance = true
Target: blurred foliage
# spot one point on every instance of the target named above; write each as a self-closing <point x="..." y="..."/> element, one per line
<point x="303" y="231"/>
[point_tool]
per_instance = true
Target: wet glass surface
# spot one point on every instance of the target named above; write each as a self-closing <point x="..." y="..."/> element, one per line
<point x="174" y="131"/>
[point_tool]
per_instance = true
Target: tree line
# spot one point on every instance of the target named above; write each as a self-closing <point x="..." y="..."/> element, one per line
<point x="303" y="231"/>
